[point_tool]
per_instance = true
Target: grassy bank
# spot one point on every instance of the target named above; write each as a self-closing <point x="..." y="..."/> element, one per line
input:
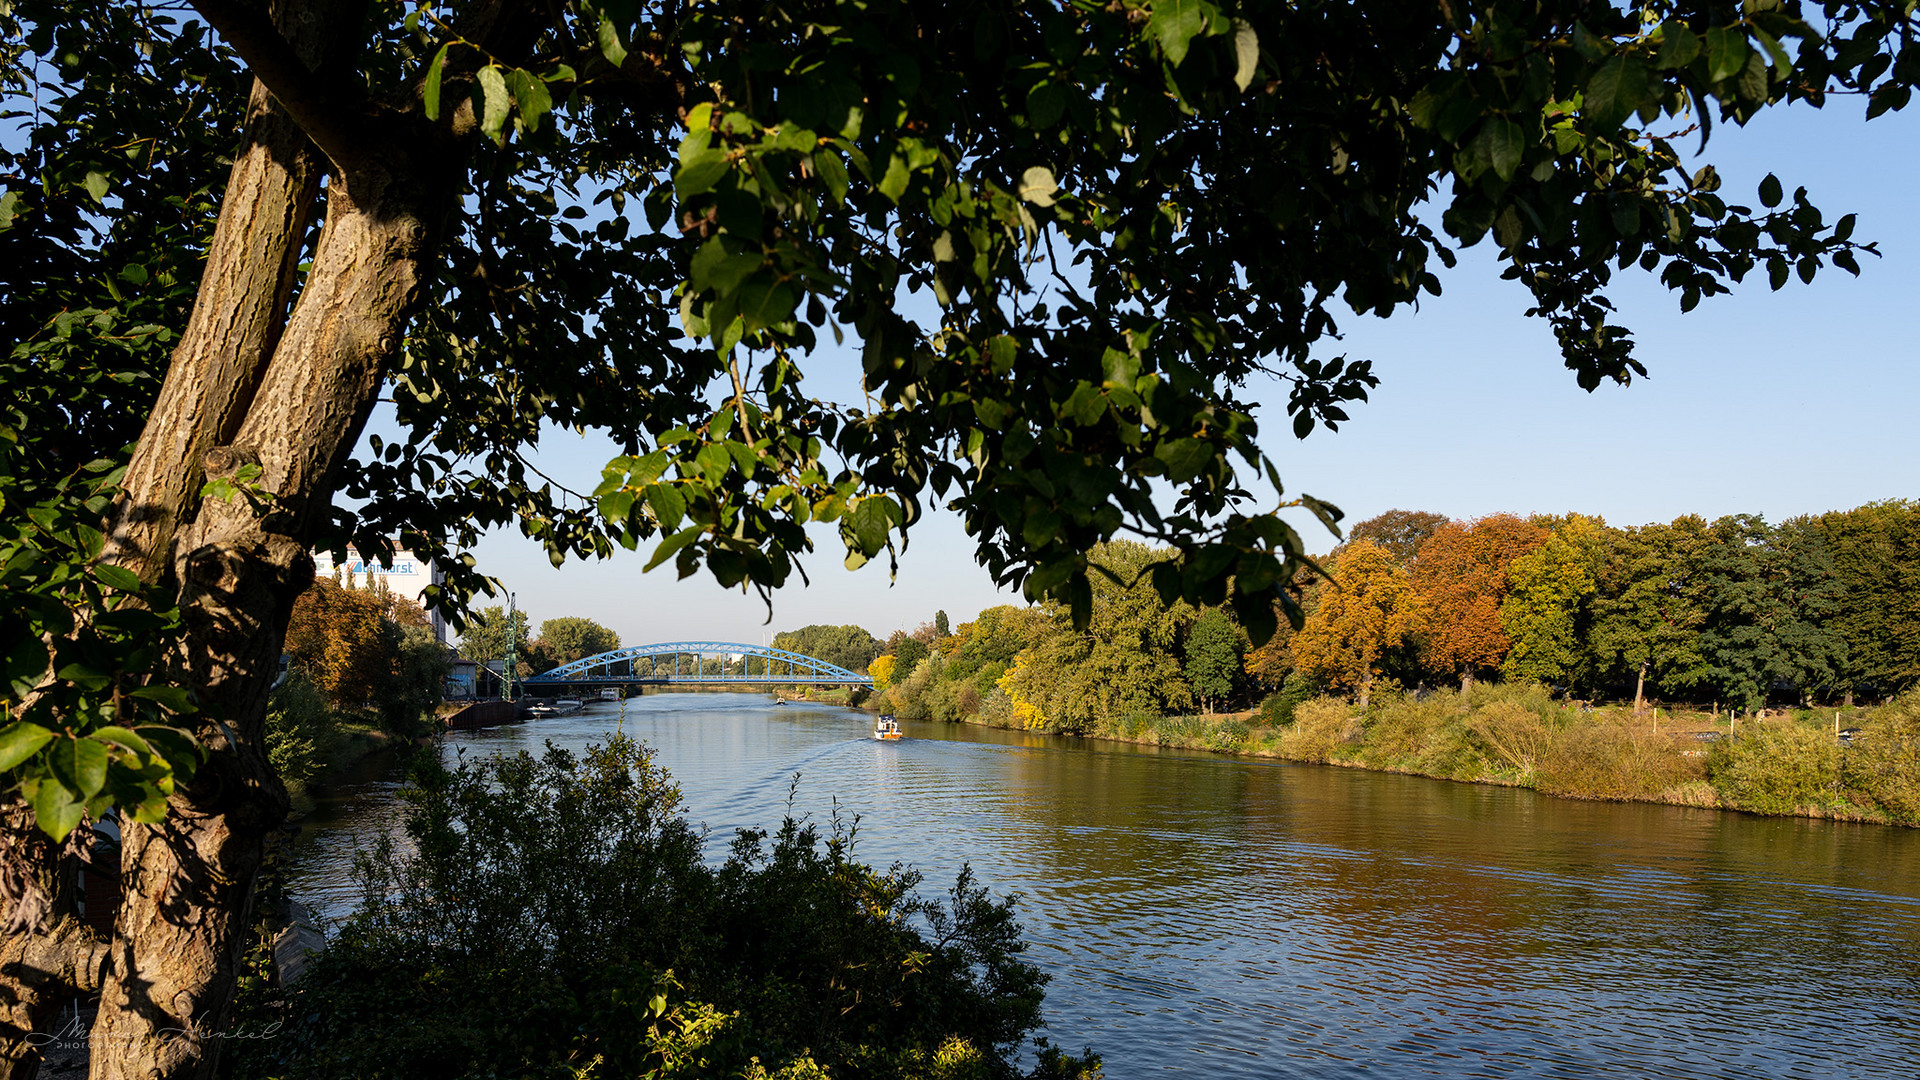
<point x="1789" y="764"/>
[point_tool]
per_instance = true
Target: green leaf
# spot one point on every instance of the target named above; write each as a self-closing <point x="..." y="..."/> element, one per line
<point x="120" y="736"/>
<point x="1175" y="23"/>
<point x="894" y="183"/>
<point x="1506" y="144"/>
<point x="1678" y="45"/>
<point x="672" y="544"/>
<point x="177" y="747"/>
<point x="26" y="665"/>
<point x="84" y="761"/>
<point x="832" y="172"/>
<point x="1046" y="103"/>
<point x="172" y="698"/>
<point x="496" y="103"/>
<point x="1246" y="53"/>
<point x="699" y="170"/>
<point x="1615" y="91"/>
<point x="610" y="46"/>
<point x="1184" y="458"/>
<point x="1037" y="186"/>
<point x="1727" y="51"/>
<point x="668" y="505"/>
<point x="96" y="185"/>
<point x="1770" y="193"/>
<point x="118" y="577"/>
<point x="870" y="522"/>
<point x="20" y="741"/>
<point x="530" y="95"/>
<point x="430" y="91"/>
<point x="54" y="807"/>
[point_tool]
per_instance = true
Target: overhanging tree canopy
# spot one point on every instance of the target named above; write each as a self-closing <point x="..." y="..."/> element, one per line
<point x="594" y="215"/>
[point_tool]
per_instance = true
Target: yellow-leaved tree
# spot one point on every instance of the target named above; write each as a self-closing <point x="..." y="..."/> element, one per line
<point x="1370" y="610"/>
<point x="881" y="672"/>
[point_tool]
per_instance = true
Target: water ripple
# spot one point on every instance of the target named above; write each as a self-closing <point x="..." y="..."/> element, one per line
<point x="1246" y="919"/>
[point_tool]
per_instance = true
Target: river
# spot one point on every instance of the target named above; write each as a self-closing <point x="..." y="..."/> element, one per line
<point x="1236" y="917"/>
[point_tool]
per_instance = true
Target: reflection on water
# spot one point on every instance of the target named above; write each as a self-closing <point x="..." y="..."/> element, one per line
<point x="1246" y="918"/>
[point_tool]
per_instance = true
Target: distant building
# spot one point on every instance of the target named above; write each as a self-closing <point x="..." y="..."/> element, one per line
<point x="409" y="576"/>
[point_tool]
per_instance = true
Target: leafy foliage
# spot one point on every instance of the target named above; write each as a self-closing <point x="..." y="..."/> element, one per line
<point x="88" y="726"/>
<point x="556" y="915"/>
<point x="1461" y="579"/>
<point x="487" y="632"/>
<point x="1369" y="610"/>
<point x="569" y="638"/>
<point x="1214" y="648"/>
<point x="849" y="647"/>
<point x="1547" y="610"/>
<point x="1126" y="660"/>
<point x="1120" y="213"/>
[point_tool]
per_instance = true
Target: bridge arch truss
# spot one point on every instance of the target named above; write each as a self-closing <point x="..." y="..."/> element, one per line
<point x="703" y="662"/>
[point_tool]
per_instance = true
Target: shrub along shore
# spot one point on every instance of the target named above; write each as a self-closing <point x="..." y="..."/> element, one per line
<point x="1790" y="763"/>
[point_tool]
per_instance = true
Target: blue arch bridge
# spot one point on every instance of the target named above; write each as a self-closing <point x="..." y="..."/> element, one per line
<point x="702" y="662"/>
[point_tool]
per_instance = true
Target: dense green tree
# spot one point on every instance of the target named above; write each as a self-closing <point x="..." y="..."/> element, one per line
<point x="1214" y="650"/>
<point x="560" y="215"/>
<point x="1876" y="557"/>
<point x="571" y="637"/>
<point x="1125" y="661"/>
<point x="1770" y="595"/>
<point x="907" y="652"/>
<point x="940" y="627"/>
<point x="487" y="632"/>
<point x="850" y="647"/>
<point x="1548" y="608"/>
<point x="557" y="917"/>
<point x="1652" y="599"/>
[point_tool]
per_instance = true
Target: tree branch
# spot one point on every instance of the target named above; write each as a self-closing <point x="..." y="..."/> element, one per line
<point x="323" y="107"/>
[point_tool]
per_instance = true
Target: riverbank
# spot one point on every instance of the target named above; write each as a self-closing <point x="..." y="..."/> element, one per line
<point x="1788" y="765"/>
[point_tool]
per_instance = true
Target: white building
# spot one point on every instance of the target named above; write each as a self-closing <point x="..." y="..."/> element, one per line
<point x="409" y="577"/>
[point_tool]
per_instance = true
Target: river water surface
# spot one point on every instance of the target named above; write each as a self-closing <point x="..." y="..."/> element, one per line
<point x="1233" y="917"/>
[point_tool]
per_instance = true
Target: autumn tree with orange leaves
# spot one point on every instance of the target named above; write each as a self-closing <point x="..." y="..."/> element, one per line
<point x="1368" y="611"/>
<point x="1460" y="578"/>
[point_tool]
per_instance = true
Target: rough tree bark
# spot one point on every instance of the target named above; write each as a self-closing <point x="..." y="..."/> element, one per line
<point x="291" y="400"/>
<point x="212" y="376"/>
<point x="189" y="879"/>
<point x="55" y="956"/>
<point x="252" y="385"/>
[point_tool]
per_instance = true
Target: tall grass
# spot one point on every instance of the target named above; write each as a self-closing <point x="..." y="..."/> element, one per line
<point x="1519" y="735"/>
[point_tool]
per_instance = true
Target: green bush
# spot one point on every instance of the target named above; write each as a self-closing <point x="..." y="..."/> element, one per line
<point x="555" y="918"/>
<point x="1776" y="769"/>
<point x="1883" y="764"/>
<point x="1277" y="710"/>
<point x="300" y="730"/>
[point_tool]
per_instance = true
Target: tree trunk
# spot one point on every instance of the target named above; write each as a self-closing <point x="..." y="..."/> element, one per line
<point x="43" y="965"/>
<point x="1639" y="689"/>
<point x="1466" y="680"/>
<point x="189" y="880"/>
<point x="1366" y="690"/>
<point x="210" y="381"/>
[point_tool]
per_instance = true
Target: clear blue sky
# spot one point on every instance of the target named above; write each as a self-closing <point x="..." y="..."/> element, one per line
<point x="1773" y="403"/>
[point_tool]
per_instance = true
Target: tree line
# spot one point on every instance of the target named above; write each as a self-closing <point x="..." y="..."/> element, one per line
<point x="1734" y="613"/>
